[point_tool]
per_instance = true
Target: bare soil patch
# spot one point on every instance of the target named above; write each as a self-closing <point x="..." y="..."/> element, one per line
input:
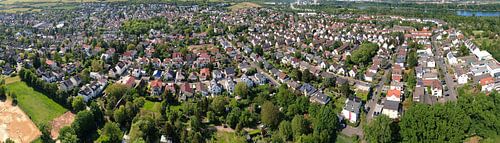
<point x="16" y="125"/>
<point x="64" y="120"/>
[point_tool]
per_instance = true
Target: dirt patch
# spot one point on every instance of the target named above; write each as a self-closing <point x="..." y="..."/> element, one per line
<point x="64" y="120"/>
<point x="16" y="125"/>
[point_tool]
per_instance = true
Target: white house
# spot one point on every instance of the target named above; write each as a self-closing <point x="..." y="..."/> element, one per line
<point x="391" y="109"/>
<point x="451" y="59"/>
<point x="351" y="110"/>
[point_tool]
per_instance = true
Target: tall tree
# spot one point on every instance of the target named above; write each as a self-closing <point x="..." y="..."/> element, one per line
<point x="110" y="133"/>
<point x="379" y="130"/>
<point x="285" y="130"/>
<point x="299" y="125"/>
<point x="67" y="135"/>
<point x="78" y="103"/>
<point x="241" y="89"/>
<point x="270" y="114"/>
<point x="325" y="124"/>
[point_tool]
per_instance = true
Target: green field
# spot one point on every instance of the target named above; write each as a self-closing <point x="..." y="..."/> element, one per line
<point x="226" y="137"/>
<point x="39" y="107"/>
<point x="152" y="106"/>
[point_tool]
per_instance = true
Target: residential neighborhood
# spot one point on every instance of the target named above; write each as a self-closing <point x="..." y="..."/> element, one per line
<point x="166" y="72"/>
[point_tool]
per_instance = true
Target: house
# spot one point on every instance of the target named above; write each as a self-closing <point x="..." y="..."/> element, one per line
<point x="118" y="70"/>
<point x="70" y="83"/>
<point x="319" y="98"/>
<point x="452" y="60"/>
<point x="179" y="76"/>
<point x="351" y="109"/>
<point x="391" y="109"/>
<point x="461" y="76"/>
<point x="157" y="74"/>
<point x="352" y="72"/>
<point x="214" y="88"/>
<point x="92" y="90"/>
<point x="307" y="89"/>
<point x="246" y="80"/>
<point x="155" y="87"/>
<point x="186" y="91"/>
<point x="128" y="81"/>
<point x="293" y="85"/>
<point x="418" y="94"/>
<point x="193" y="77"/>
<point x="493" y="68"/>
<point x="396" y="73"/>
<point x="437" y="89"/>
<point x="362" y="86"/>
<point x="202" y="89"/>
<point x="369" y="76"/>
<point x="260" y="79"/>
<point x="229" y="72"/>
<point x="216" y="74"/>
<point x="487" y="84"/>
<point x="282" y="77"/>
<point x="169" y="75"/>
<point x="230" y="85"/>
<point x="204" y="74"/>
<point x="393" y="95"/>
<point x="51" y="64"/>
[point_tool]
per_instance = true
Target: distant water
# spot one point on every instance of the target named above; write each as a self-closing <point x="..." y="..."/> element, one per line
<point x="478" y="13"/>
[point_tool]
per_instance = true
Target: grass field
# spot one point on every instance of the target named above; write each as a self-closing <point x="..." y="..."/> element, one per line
<point x="227" y="137"/>
<point x="344" y="139"/>
<point x="244" y="5"/>
<point x="152" y="106"/>
<point x="39" y="107"/>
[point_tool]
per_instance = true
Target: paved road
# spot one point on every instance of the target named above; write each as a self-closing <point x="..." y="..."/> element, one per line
<point x="378" y="88"/>
<point x="450" y="83"/>
<point x="260" y="70"/>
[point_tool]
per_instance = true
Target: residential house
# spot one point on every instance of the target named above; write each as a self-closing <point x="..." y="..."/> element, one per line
<point x="156" y="87"/>
<point x="351" y="109"/>
<point x="487" y="84"/>
<point x="391" y="109"/>
<point x="214" y="88"/>
<point x="393" y="95"/>
<point x="320" y="98"/>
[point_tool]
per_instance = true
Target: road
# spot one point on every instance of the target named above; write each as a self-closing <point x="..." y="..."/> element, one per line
<point x="378" y="88"/>
<point x="260" y="70"/>
<point x="450" y="83"/>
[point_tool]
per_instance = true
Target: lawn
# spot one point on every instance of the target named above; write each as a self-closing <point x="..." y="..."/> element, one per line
<point x="39" y="107"/>
<point x="227" y="137"/>
<point x="152" y="106"/>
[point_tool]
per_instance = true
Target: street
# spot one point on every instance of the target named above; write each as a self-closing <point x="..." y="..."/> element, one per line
<point x="378" y="88"/>
<point x="450" y="83"/>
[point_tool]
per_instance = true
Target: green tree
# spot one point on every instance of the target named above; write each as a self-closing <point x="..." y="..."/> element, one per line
<point x="285" y="130"/>
<point x="299" y="125"/>
<point x="379" y="130"/>
<point x="270" y="114"/>
<point x="67" y="135"/>
<point x="84" y="123"/>
<point x="424" y="123"/>
<point x="412" y="59"/>
<point x="218" y="105"/>
<point x="78" y="103"/>
<point x="241" y="89"/>
<point x="110" y="133"/>
<point x="325" y="124"/>
<point x="120" y="115"/>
